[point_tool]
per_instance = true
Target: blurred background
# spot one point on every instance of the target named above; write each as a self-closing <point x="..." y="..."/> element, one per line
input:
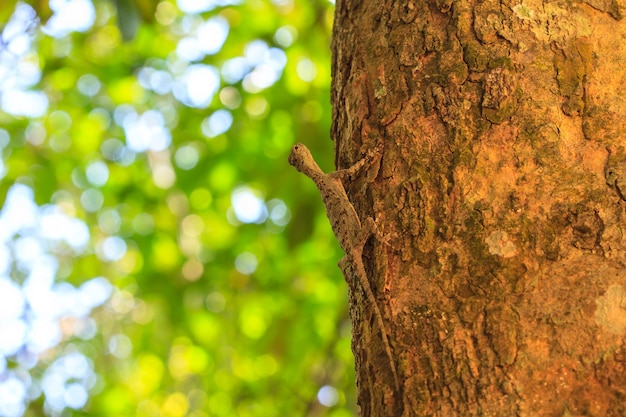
<point x="158" y="256"/>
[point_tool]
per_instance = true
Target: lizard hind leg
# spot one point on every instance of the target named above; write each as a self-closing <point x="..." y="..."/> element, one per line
<point x="369" y="227"/>
<point x="355" y="261"/>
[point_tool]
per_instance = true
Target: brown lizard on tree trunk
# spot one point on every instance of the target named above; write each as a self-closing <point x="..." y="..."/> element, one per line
<point x="348" y="229"/>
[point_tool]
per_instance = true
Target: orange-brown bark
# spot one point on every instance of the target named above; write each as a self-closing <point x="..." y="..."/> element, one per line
<point x="502" y="192"/>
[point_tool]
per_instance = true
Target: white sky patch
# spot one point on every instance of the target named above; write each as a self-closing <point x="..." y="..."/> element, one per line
<point x="43" y="335"/>
<point x="66" y="297"/>
<point x="161" y="82"/>
<point x="13" y="335"/>
<point x="19" y="211"/>
<point x="195" y="6"/>
<point x="212" y="34"/>
<point x="12" y="396"/>
<point x="97" y="173"/>
<point x="15" y="26"/>
<point x="30" y="312"/>
<point x="69" y="16"/>
<point x="199" y="83"/>
<point x="217" y="123"/>
<point x="24" y="103"/>
<point x="19" y="44"/>
<point x="146" y="132"/>
<point x="261" y="77"/>
<point x="5" y="260"/>
<point x="122" y="112"/>
<point x="19" y="68"/>
<point x="260" y="67"/>
<point x="40" y="278"/>
<point x="248" y="207"/>
<point x="328" y="396"/>
<point x="75" y="395"/>
<point x="268" y="66"/>
<point x="57" y="226"/>
<point x="256" y="52"/>
<point x="32" y="235"/>
<point x="27" y="249"/>
<point x="29" y="73"/>
<point x="189" y="49"/>
<point x="95" y="291"/>
<point x="199" y="6"/>
<point x="11" y="300"/>
<point x="207" y="39"/>
<point x="235" y="69"/>
<point x="112" y="248"/>
<point x="67" y="380"/>
<point x="279" y="212"/>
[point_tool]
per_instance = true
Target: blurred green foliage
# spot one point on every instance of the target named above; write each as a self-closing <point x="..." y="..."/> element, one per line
<point x="225" y="318"/>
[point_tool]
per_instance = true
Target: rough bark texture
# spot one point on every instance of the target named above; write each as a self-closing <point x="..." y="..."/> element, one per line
<point x="502" y="193"/>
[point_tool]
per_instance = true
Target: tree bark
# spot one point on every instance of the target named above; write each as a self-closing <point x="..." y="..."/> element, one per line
<point x="501" y="195"/>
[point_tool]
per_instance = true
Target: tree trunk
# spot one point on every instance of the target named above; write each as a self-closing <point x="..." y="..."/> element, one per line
<point x="501" y="196"/>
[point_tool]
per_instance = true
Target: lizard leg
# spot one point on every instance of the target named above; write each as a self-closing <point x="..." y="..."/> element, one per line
<point x="370" y="160"/>
<point x="367" y="229"/>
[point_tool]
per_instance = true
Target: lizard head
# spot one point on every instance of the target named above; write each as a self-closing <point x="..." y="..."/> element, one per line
<point x="300" y="156"/>
<point x="302" y="160"/>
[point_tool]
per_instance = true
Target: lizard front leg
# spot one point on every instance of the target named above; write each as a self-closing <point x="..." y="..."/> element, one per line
<point x="371" y="160"/>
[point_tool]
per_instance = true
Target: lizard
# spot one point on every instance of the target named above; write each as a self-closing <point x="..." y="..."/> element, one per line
<point x="346" y="225"/>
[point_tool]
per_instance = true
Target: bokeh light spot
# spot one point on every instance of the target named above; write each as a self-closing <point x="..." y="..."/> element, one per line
<point x="31" y="104"/>
<point x="230" y="97"/>
<point x="88" y="85"/>
<point x="97" y="173"/>
<point x="246" y="263"/>
<point x="200" y="82"/>
<point x="285" y="35"/>
<point x="120" y="346"/>
<point x="91" y="200"/>
<point x="143" y="223"/>
<point x="212" y="35"/>
<point x="248" y="206"/>
<point x="216" y="124"/>
<point x="186" y="157"/>
<point x="328" y="396"/>
<point x="146" y="132"/>
<point x="70" y="16"/>
<point x="192" y="270"/>
<point x="306" y="70"/>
